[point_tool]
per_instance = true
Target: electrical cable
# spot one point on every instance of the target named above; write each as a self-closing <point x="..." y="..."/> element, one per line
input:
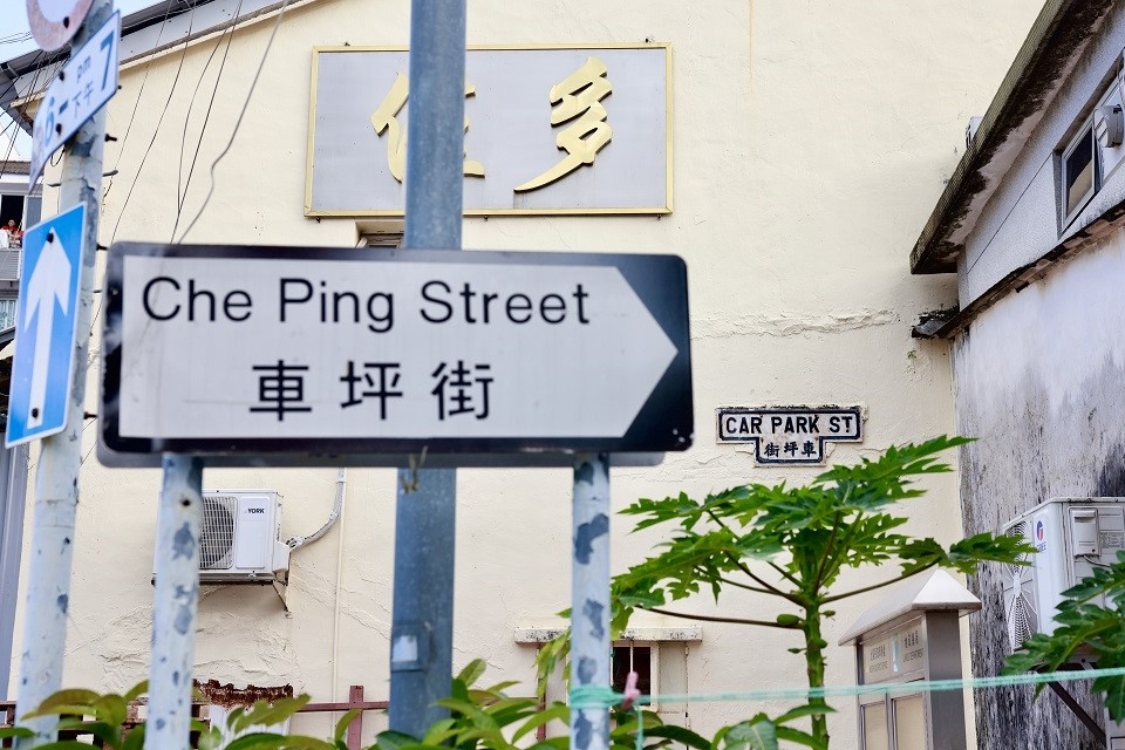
<point x="12" y="83"/>
<point x="156" y="131"/>
<point x="140" y="93"/>
<point x="238" y="123"/>
<point x="22" y="111"/>
<point x="181" y="197"/>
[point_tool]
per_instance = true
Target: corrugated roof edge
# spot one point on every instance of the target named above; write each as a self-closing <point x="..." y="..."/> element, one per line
<point x="1059" y="34"/>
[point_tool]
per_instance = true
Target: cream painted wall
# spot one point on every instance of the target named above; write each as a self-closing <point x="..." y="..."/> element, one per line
<point x="811" y="139"/>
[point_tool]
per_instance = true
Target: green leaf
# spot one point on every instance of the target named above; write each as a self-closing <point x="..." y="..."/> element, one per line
<point x="135" y="740"/>
<point x="64" y="745"/>
<point x="112" y="709"/>
<point x="552" y="743"/>
<point x="108" y="735"/>
<point x="389" y="739"/>
<point x="559" y="711"/>
<point x="472" y="671"/>
<point x="679" y="734"/>
<point x="266" y="714"/>
<point x="345" y="721"/>
<point x="61" y="709"/>
<point x="757" y="734"/>
<point x="789" y="734"/>
<point x="72" y="697"/>
<point x="809" y="709"/>
<point x="211" y="739"/>
<point x="136" y="691"/>
<point x="15" y="733"/>
<point x="258" y="741"/>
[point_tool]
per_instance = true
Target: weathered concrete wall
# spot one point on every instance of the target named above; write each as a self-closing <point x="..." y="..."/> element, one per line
<point x="811" y="140"/>
<point x="1038" y="381"/>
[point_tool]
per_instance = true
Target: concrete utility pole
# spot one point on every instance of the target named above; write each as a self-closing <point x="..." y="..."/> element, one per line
<point x="425" y="525"/>
<point x="56" y="492"/>
<point x="589" y="597"/>
<point x="13" y="464"/>
<point x="175" y="603"/>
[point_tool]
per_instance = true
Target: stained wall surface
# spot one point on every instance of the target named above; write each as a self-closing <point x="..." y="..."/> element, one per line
<point x="1038" y="382"/>
<point x="811" y="141"/>
<point x="1037" y="376"/>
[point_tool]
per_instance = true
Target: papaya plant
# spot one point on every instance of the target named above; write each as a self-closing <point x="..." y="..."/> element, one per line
<point x="1087" y="626"/>
<point x="791" y="544"/>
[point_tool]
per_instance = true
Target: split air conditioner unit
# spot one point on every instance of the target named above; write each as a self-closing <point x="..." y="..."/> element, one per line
<point x="240" y="539"/>
<point x="1071" y="536"/>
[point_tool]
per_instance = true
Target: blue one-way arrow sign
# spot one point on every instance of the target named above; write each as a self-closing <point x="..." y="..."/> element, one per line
<point x="46" y="325"/>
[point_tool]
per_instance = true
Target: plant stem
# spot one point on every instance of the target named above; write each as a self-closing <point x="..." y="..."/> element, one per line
<point x="746" y="568"/>
<point x="888" y="582"/>
<point x="815" y="667"/>
<point x="710" y="618"/>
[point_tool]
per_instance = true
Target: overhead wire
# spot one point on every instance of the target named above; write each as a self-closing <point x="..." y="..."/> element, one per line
<point x="238" y="122"/>
<point x="17" y="38"/>
<point x="155" y="134"/>
<point x="23" y="111"/>
<point x="140" y="93"/>
<point x="181" y="196"/>
<point x="159" y="122"/>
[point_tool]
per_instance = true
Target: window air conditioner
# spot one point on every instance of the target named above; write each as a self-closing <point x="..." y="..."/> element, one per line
<point x="1071" y="536"/>
<point x="240" y="539"/>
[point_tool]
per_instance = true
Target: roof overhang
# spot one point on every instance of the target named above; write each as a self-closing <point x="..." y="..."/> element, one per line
<point x="1059" y="35"/>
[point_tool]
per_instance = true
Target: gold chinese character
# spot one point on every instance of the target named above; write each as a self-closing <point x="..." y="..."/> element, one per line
<point x="578" y="95"/>
<point x="385" y="118"/>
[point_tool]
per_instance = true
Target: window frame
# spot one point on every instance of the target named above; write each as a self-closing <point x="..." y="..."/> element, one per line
<point x="1085" y="132"/>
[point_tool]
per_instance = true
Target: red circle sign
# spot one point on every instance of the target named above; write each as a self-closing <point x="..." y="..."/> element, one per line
<point x="54" y="22"/>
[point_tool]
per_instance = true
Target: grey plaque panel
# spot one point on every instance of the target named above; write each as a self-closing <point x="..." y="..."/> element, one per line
<point x="509" y="132"/>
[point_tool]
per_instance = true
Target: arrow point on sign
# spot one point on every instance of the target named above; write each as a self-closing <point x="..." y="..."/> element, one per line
<point x="50" y="279"/>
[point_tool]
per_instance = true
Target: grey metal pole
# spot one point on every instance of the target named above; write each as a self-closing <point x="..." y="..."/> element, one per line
<point x="425" y="521"/>
<point x="176" y="597"/>
<point x="13" y="470"/>
<point x="589" y="597"/>
<point x="56" y="492"/>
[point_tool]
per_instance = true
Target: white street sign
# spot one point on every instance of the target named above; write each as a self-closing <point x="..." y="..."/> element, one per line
<point x="54" y="22"/>
<point x="290" y="350"/>
<point x="789" y="434"/>
<point x="81" y="88"/>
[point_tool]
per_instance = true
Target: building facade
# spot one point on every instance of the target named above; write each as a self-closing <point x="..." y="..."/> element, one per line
<point x="1030" y="225"/>
<point x="803" y="145"/>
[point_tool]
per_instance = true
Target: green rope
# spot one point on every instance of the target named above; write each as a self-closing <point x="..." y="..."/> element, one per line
<point x="594" y="696"/>
<point x="603" y="697"/>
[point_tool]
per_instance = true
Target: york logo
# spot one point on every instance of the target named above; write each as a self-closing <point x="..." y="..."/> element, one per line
<point x="255" y="510"/>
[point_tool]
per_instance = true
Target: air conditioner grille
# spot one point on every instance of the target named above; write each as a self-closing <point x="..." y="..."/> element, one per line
<point x="216" y="538"/>
<point x="1020" y="601"/>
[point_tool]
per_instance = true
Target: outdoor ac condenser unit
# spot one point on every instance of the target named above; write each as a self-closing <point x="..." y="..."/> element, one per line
<point x="1072" y="536"/>
<point x="240" y="540"/>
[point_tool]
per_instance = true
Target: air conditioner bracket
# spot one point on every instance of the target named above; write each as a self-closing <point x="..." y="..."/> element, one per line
<point x="1076" y="708"/>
